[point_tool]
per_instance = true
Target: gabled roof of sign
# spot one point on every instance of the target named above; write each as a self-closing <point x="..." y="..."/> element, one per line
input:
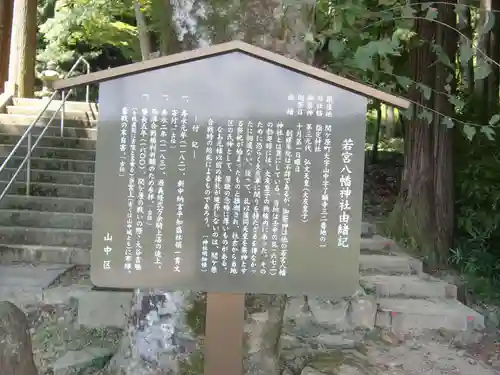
<point x="234" y="46"/>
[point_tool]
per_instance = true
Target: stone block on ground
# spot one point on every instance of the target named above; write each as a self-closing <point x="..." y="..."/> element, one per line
<point x="62" y="295"/>
<point x="410" y="286"/>
<point x="77" y="361"/>
<point x="362" y="312"/>
<point x="389" y="264"/>
<point x="103" y="309"/>
<point x="367" y="229"/>
<point x="16" y="354"/>
<point x="415" y="316"/>
<point x="377" y="244"/>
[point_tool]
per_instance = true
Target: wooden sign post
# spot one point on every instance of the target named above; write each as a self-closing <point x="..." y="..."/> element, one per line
<point x="228" y="170"/>
<point x="224" y="333"/>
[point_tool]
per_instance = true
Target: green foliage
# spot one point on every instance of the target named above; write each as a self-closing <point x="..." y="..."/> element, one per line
<point x="93" y="23"/>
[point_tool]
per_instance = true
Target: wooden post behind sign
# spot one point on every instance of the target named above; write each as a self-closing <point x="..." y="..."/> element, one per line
<point x="224" y="330"/>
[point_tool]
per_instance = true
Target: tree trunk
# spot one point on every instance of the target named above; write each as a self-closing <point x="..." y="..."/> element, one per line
<point x="494" y="53"/>
<point x="443" y="137"/>
<point x="413" y="217"/>
<point x="483" y="44"/>
<point x="6" y="13"/>
<point x="16" y="355"/>
<point x="163" y="15"/>
<point x="23" y="48"/>
<point x="165" y="331"/>
<point x="142" y="27"/>
<point x="465" y="27"/>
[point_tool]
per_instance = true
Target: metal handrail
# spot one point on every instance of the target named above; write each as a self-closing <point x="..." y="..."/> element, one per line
<point x="27" y="133"/>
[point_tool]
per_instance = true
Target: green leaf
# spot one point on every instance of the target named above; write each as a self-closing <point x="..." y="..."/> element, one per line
<point x="404" y="82"/>
<point x="408" y="12"/>
<point x="426" y="115"/>
<point x="448" y="122"/>
<point x="494" y="119"/>
<point x="309" y="37"/>
<point x="442" y="56"/>
<point x="457" y="103"/>
<point x="426" y="90"/>
<point x="336" y="47"/>
<point x="387" y="2"/>
<point x="488" y="24"/>
<point x="407" y="113"/>
<point x="481" y="70"/>
<point x="350" y="17"/>
<point x="466" y="52"/>
<point x="432" y="13"/>
<point x="469" y="131"/>
<point x="337" y="23"/>
<point x="489" y="132"/>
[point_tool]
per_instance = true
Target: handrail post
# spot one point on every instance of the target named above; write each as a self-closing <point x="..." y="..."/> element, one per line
<point x="28" y="166"/>
<point x="63" y="97"/>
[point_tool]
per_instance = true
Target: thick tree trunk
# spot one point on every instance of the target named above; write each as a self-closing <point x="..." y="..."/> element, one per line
<point x="16" y="355"/>
<point x="23" y="48"/>
<point x="413" y="216"/>
<point x="165" y="331"/>
<point x="443" y="137"/>
<point x="465" y="27"/>
<point x="494" y="53"/>
<point x="6" y="13"/>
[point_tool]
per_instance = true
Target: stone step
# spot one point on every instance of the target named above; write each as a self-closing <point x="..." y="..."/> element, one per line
<point x="389" y="265"/>
<point x="69" y="105"/>
<point x="46" y="141"/>
<point x="40" y="219"/>
<point x="423" y="286"/>
<point x="53" y="130"/>
<point x="417" y="315"/>
<point x="54" y="164"/>
<point x="98" y="309"/>
<point x="49" y="152"/>
<point x="48" y="204"/>
<point x="380" y="245"/>
<point x="46" y="236"/>
<point x="367" y="230"/>
<point x="9" y="120"/>
<point x="49" y="176"/>
<point x="50" y="190"/>
<point x="12" y="253"/>
<point x="68" y="114"/>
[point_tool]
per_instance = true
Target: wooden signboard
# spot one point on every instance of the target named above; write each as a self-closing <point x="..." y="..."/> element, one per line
<point x="229" y="170"/>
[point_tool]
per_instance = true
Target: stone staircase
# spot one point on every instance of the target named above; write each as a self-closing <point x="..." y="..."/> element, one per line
<point x="53" y="225"/>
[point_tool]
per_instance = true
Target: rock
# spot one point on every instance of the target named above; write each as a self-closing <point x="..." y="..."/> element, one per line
<point x="63" y="295"/>
<point x="103" y="309"/>
<point x="332" y="316"/>
<point x="348" y="370"/>
<point x="335" y="341"/>
<point x="16" y="355"/>
<point x="310" y="371"/>
<point x="85" y="361"/>
<point x="362" y="313"/>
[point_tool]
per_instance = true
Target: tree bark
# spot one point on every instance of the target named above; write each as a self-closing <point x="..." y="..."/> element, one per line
<point x="493" y="80"/>
<point x="6" y="13"/>
<point x="16" y="356"/>
<point x="166" y="329"/>
<point x="413" y="216"/>
<point x="443" y="137"/>
<point x="142" y="27"/>
<point x="23" y="48"/>
<point x="481" y="85"/>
